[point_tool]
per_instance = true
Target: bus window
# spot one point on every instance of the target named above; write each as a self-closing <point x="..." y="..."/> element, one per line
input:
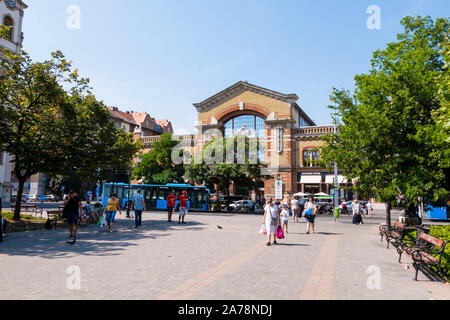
<point x="107" y="191"/>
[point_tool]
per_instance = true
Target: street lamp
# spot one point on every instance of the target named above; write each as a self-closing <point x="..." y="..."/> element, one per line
<point x="336" y="178"/>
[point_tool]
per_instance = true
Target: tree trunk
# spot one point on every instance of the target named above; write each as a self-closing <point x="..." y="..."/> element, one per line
<point x="19" y="200"/>
<point x="388" y="215"/>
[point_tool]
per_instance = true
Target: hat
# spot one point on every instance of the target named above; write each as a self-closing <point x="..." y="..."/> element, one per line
<point x="184" y="192"/>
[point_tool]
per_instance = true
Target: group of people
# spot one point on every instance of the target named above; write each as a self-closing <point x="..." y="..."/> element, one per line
<point x="73" y="210"/>
<point x="274" y="217"/>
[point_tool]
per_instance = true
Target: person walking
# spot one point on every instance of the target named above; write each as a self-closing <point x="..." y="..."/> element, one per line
<point x="285" y="218"/>
<point x="183" y="207"/>
<point x="171" y="199"/>
<point x="111" y="210"/>
<point x="138" y="205"/>
<point x="310" y="215"/>
<point x="295" y="205"/>
<point x="370" y="208"/>
<point x="356" y="208"/>
<point x="344" y="208"/>
<point x="72" y="211"/>
<point x="271" y="220"/>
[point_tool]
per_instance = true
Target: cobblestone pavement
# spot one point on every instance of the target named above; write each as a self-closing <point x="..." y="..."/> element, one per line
<point x="200" y="261"/>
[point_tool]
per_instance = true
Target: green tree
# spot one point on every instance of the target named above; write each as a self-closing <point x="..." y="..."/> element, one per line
<point x="388" y="135"/>
<point x="157" y="166"/>
<point x="244" y="170"/>
<point x="50" y="122"/>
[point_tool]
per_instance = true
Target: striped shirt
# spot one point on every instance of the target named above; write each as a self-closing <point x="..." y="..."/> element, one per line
<point x="138" y="201"/>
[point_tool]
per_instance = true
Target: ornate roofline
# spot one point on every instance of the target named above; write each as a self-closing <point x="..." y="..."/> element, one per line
<point x="240" y="87"/>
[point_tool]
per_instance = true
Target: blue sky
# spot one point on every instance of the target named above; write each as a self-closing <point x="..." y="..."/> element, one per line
<point x="163" y="56"/>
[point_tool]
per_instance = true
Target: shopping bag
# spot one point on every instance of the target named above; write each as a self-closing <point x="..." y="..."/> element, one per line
<point x="280" y="233"/>
<point x="263" y="229"/>
<point x="102" y="221"/>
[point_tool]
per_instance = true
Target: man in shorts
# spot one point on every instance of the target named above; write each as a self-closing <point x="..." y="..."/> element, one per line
<point x="171" y="199"/>
<point x="73" y="208"/>
<point x="183" y="207"/>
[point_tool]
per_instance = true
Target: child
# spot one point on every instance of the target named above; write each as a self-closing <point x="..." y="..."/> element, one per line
<point x="285" y="218"/>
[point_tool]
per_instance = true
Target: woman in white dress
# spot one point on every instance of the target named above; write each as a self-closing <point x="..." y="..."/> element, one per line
<point x="271" y="220"/>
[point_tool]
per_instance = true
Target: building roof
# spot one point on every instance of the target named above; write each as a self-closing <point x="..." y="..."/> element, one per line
<point x="139" y="117"/>
<point x="240" y="87"/>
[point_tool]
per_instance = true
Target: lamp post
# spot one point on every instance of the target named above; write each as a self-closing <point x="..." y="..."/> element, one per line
<point x="336" y="177"/>
<point x="128" y="197"/>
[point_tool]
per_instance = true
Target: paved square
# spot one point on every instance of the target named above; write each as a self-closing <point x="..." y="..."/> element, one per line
<point x="200" y="261"/>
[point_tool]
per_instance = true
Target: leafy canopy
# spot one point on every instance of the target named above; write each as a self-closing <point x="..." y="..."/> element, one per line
<point x="391" y="133"/>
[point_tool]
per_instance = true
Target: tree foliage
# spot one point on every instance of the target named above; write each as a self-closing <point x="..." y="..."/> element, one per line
<point x="157" y="166"/>
<point x="391" y="136"/>
<point x="50" y="122"/>
<point x="240" y="169"/>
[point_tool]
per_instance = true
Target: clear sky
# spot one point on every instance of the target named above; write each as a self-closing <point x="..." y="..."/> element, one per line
<point x="163" y="56"/>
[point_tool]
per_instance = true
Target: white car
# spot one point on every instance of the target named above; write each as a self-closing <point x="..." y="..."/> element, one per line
<point x="50" y="198"/>
<point x="242" y="205"/>
<point x="33" y="198"/>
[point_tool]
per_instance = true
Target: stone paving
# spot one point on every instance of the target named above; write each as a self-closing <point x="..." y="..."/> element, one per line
<point x="200" y="261"/>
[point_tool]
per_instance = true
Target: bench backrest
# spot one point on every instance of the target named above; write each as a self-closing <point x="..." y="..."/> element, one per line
<point x="399" y="225"/>
<point x="437" y="242"/>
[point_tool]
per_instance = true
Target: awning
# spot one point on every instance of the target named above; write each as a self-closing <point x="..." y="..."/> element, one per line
<point x="330" y="179"/>
<point x="311" y="179"/>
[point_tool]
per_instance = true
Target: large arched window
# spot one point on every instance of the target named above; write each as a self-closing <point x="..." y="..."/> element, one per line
<point x="249" y="125"/>
<point x="9" y="22"/>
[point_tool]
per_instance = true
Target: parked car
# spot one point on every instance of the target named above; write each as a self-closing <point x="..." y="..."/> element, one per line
<point x="50" y="198"/>
<point x="14" y="198"/>
<point x="33" y="198"/>
<point x="242" y="205"/>
<point x="226" y="201"/>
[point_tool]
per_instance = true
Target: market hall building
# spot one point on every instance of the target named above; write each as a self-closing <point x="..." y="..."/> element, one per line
<point x="292" y="140"/>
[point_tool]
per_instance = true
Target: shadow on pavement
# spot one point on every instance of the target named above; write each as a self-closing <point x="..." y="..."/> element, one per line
<point x="329" y="233"/>
<point x="91" y="241"/>
<point x="292" y="245"/>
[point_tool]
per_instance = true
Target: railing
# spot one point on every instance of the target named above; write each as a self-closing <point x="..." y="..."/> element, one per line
<point x="315" y="130"/>
<point x="150" y="140"/>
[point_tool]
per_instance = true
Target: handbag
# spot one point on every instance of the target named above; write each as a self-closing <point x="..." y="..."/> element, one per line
<point x="280" y="233"/>
<point x="263" y="229"/>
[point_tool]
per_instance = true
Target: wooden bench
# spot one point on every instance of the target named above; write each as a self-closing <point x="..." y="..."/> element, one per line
<point x="25" y="207"/>
<point x="430" y="256"/>
<point x="394" y="234"/>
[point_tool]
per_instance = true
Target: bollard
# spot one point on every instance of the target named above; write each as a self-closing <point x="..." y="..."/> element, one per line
<point x="337" y="213"/>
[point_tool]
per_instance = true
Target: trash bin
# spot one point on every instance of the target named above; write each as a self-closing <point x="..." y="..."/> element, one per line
<point x="337" y="213"/>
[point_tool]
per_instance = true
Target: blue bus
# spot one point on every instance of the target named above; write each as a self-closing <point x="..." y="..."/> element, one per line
<point x="440" y="211"/>
<point x="155" y="195"/>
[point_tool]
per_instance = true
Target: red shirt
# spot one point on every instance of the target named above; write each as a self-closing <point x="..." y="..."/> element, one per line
<point x="183" y="201"/>
<point x="171" y="201"/>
